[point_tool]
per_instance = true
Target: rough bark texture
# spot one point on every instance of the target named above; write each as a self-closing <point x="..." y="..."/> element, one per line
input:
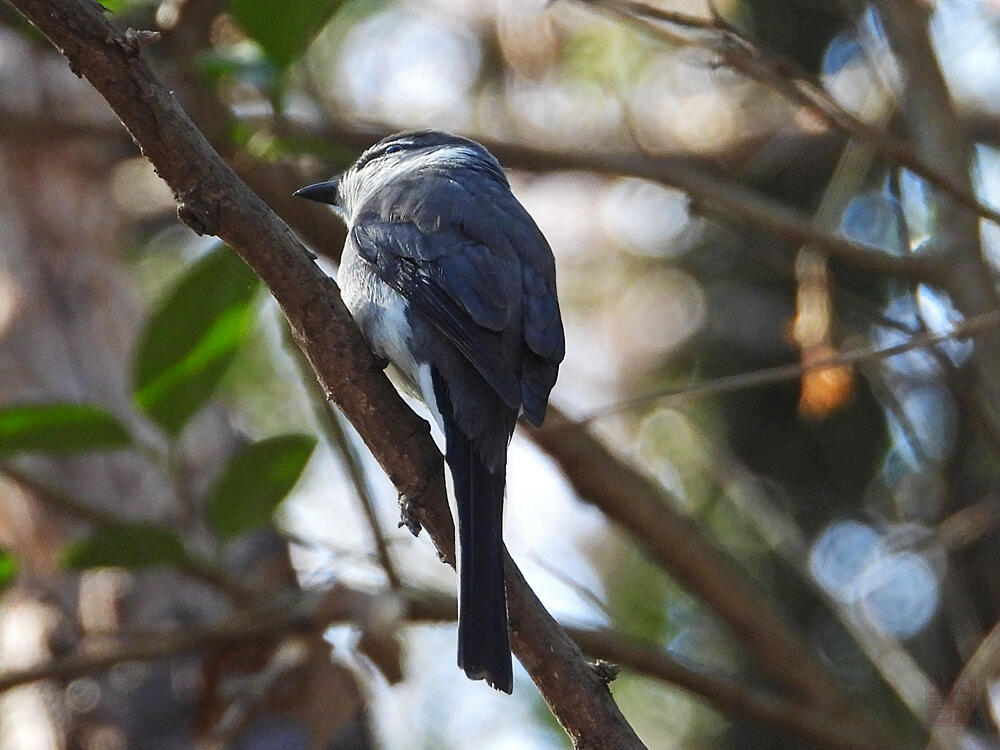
<point x="212" y="200"/>
<point x="68" y="324"/>
<point x="69" y="321"/>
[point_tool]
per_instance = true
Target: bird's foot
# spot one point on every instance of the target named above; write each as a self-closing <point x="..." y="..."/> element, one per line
<point x="408" y="514"/>
<point x="606" y="671"/>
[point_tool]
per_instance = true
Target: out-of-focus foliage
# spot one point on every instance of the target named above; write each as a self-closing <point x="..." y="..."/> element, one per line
<point x="59" y="428"/>
<point x="8" y="569"/>
<point x="184" y="351"/>
<point x="282" y="29"/>
<point x="255" y="480"/>
<point x="192" y="337"/>
<point x="871" y="526"/>
<point x="125" y="545"/>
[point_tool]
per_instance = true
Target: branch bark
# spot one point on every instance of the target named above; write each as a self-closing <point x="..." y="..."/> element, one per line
<point x="940" y="141"/>
<point x="212" y="200"/>
<point x="749" y="57"/>
<point x="711" y="193"/>
<point x="643" y="508"/>
<point x="314" y="612"/>
<point x="646" y="510"/>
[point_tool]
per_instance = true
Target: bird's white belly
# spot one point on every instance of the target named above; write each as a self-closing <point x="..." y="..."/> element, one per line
<point x="380" y="312"/>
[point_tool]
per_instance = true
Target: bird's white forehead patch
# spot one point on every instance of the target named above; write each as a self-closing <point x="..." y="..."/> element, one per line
<point x="412" y="160"/>
<point x="358" y="186"/>
<point x="458" y="152"/>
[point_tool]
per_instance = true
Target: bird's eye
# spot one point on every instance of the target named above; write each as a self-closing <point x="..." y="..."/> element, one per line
<point x="393" y="148"/>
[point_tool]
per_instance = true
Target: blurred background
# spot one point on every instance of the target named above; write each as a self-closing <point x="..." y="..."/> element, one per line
<point x="734" y="194"/>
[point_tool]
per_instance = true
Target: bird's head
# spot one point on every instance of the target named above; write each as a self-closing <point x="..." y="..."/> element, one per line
<point x="396" y="156"/>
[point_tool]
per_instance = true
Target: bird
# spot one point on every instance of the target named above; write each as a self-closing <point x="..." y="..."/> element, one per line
<point x="453" y="284"/>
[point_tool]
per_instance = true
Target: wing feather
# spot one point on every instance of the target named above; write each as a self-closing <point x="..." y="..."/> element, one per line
<point x="464" y="251"/>
<point x="480" y="345"/>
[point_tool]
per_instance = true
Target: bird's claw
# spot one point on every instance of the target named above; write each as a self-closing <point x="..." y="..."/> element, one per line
<point x="606" y="671"/>
<point x="408" y="514"/>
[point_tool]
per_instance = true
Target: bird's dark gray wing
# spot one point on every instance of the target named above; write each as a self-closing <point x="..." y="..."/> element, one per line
<point x="494" y="217"/>
<point x="447" y="292"/>
<point x="477" y="247"/>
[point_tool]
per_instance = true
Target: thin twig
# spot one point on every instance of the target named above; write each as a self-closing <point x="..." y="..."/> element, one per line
<point x="313" y="613"/>
<point x="212" y="200"/>
<point x="585" y="593"/>
<point x="975" y="676"/>
<point x="781" y="373"/>
<point x="784" y="75"/>
<point x="192" y="565"/>
<point x="336" y="437"/>
<point x="176" y="468"/>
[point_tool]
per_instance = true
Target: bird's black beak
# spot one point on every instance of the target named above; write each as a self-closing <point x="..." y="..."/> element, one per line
<point x="321" y="192"/>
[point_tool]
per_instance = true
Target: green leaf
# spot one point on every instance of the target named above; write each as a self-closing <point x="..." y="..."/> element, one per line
<point x="191" y="339"/>
<point x="282" y="29"/>
<point x="8" y="569"/>
<point x="59" y="428"/>
<point x="244" y="62"/>
<point x="125" y="545"/>
<point x="255" y="480"/>
<point x="120" y="6"/>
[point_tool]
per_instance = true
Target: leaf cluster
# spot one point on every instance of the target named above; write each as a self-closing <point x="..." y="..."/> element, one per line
<point x="182" y="354"/>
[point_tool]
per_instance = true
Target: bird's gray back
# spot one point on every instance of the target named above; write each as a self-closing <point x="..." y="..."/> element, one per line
<point x="474" y="245"/>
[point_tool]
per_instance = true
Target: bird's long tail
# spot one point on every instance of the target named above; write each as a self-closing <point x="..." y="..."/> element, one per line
<point x="483" y="641"/>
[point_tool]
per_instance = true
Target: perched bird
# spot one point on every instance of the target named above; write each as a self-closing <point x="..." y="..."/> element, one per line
<point x="452" y="283"/>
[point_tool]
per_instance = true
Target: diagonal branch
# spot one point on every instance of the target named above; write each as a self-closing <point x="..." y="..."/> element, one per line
<point x="784" y="75"/>
<point x="980" y="324"/>
<point x="646" y="510"/>
<point x="212" y="200"/>
<point x="329" y="424"/>
<point x="711" y="193"/>
<point x="313" y="612"/>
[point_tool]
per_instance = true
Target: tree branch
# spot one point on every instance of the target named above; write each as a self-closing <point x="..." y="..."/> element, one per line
<point x="784" y="75"/>
<point x="645" y="509"/>
<point x="212" y="200"/>
<point x="711" y="193"/>
<point x="926" y="104"/>
<point x="316" y="611"/>
<point x="979" y="325"/>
